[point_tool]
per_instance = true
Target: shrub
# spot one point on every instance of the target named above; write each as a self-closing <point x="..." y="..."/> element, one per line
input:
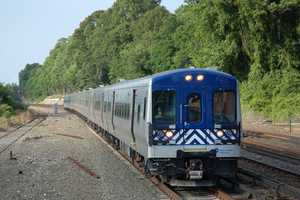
<point x="6" y="110"/>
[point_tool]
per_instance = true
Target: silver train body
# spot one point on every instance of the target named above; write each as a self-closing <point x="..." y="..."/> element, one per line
<point x="184" y="125"/>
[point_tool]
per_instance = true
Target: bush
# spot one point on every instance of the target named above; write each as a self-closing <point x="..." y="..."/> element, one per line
<point x="276" y="94"/>
<point x="6" y="110"/>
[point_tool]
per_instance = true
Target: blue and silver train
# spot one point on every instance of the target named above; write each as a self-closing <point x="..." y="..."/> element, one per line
<point x="183" y="125"/>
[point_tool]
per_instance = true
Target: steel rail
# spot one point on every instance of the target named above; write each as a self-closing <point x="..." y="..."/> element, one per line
<point x="17" y="128"/>
<point x="20" y="136"/>
<point x="280" y="186"/>
<point x="283" y="151"/>
<point x="271" y="157"/>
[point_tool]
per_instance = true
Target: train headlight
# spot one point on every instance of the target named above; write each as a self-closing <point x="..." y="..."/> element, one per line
<point x="169" y="133"/>
<point x="220" y="133"/>
<point x="188" y="77"/>
<point x="200" y="77"/>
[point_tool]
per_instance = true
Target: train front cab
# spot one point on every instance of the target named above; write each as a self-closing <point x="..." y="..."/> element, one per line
<point x="195" y="127"/>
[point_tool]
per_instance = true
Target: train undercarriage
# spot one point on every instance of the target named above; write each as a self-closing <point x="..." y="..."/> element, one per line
<point x="192" y="170"/>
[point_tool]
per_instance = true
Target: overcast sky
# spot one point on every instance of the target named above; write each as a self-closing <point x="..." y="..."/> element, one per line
<point x="30" y="28"/>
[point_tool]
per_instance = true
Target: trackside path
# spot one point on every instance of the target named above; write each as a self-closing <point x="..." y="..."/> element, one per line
<point x="61" y="159"/>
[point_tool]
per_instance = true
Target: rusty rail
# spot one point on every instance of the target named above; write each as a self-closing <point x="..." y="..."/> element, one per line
<point x="82" y="167"/>
<point x="21" y="135"/>
<point x="67" y="135"/>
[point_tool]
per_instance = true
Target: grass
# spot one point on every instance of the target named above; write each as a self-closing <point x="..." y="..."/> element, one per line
<point x="14" y="121"/>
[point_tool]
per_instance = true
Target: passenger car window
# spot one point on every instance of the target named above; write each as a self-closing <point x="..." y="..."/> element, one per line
<point x="164" y="110"/>
<point x="194" y="108"/>
<point x="138" y="113"/>
<point x="224" y="107"/>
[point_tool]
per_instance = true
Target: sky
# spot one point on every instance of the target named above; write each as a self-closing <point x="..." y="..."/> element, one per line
<point x="29" y="29"/>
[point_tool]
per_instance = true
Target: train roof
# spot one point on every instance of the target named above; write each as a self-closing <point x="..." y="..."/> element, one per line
<point x="211" y="71"/>
<point x="147" y="79"/>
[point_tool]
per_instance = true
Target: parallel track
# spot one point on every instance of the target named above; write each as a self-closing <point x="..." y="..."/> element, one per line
<point x="281" y="153"/>
<point x="15" y="129"/>
<point x="12" y="137"/>
<point x="271" y="167"/>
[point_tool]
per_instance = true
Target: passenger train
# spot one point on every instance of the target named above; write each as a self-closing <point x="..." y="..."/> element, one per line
<point x="184" y="125"/>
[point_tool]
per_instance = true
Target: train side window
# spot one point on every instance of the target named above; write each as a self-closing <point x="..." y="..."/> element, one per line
<point x="118" y="110"/>
<point x="123" y="110"/>
<point x="194" y="108"/>
<point x="97" y="106"/>
<point x="109" y="107"/>
<point x="145" y="106"/>
<point x="138" y="113"/>
<point x="128" y="111"/>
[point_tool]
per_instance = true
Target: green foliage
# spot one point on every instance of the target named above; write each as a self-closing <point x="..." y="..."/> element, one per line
<point x="6" y="110"/>
<point x="257" y="41"/>
<point x="9" y="100"/>
<point x="273" y="44"/>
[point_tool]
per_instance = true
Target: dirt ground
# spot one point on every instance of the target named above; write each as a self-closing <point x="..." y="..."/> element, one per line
<point x="257" y="123"/>
<point x="61" y="159"/>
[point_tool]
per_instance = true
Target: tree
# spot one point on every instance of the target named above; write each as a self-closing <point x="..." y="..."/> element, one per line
<point x="257" y="41"/>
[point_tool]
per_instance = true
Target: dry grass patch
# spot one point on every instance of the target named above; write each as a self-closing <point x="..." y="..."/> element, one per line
<point x="14" y="121"/>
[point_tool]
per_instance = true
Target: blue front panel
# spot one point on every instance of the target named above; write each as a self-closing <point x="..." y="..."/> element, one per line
<point x="204" y="131"/>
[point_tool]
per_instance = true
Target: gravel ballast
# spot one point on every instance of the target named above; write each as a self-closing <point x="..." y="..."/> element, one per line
<point x="44" y="167"/>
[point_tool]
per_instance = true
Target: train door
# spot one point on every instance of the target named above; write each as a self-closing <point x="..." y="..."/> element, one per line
<point x="193" y="113"/>
<point x="93" y="105"/>
<point x="113" y="110"/>
<point x="102" y="107"/>
<point x="133" y="114"/>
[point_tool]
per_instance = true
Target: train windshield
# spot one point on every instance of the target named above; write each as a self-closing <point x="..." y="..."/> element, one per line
<point x="224" y="107"/>
<point x="164" y="107"/>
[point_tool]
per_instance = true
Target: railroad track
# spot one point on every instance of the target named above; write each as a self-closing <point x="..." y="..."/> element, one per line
<point x="171" y="193"/>
<point x="282" y="182"/>
<point x="276" y="158"/>
<point x="271" y="167"/>
<point x="15" y="129"/>
<point x="273" y="151"/>
<point x="13" y="136"/>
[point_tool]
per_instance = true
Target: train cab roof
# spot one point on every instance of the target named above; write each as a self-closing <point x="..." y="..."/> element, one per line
<point x="208" y="71"/>
<point x="179" y="77"/>
<point x="206" y="76"/>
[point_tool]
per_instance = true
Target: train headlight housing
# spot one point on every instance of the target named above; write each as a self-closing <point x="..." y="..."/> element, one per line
<point x="188" y="77"/>
<point x="220" y="133"/>
<point x="169" y="133"/>
<point x="200" y="77"/>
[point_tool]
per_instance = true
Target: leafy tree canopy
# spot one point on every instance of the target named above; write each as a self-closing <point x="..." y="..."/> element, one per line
<point x="257" y="41"/>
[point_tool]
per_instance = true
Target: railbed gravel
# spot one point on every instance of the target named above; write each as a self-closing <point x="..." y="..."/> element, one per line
<point x="42" y="169"/>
